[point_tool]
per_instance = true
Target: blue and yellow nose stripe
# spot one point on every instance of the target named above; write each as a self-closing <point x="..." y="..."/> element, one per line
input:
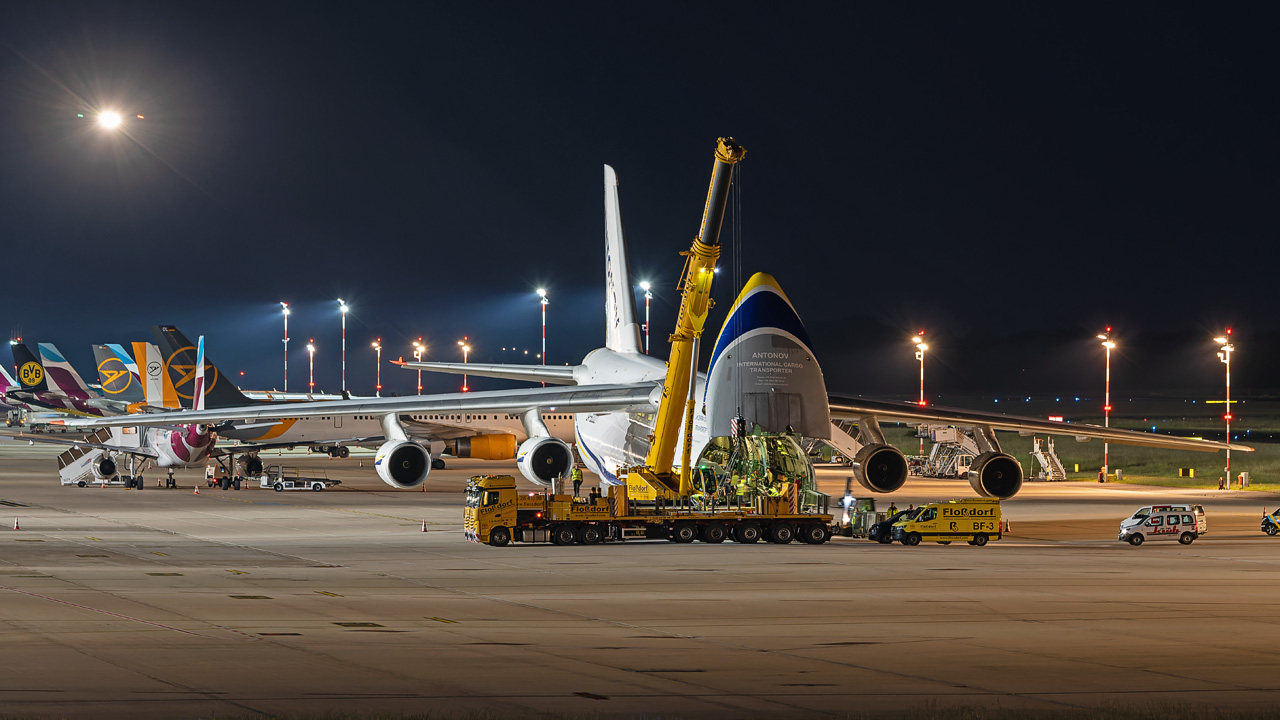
<point x="761" y="304"/>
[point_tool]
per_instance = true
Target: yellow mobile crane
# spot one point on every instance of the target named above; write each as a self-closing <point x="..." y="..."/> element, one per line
<point x="496" y="514"/>
<point x="695" y="302"/>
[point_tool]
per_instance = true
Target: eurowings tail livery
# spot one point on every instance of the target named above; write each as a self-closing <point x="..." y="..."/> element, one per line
<point x="61" y="375"/>
<point x="37" y="387"/>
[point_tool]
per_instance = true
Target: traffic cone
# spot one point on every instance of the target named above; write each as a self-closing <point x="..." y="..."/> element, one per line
<point x="15" y="524"/>
<point x="197" y="487"/>
<point x="424" y="525"/>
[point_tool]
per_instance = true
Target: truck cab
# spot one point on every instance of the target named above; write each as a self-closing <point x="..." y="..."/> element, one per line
<point x="491" y="505"/>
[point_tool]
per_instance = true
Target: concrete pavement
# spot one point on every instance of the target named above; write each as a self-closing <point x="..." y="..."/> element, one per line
<point x="162" y="603"/>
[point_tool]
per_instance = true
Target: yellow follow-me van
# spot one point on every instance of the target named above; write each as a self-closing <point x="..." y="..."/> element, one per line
<point x="975" y="521"/>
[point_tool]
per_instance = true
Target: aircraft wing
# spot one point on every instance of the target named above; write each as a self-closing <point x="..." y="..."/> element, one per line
<point x="591" y="398"/>
<point x="852" y="408"/>
<point x="550" y="374"/>
<point x="30" y="438"/>
<point x="216" y="451"/>
<point x="246" y="447"/>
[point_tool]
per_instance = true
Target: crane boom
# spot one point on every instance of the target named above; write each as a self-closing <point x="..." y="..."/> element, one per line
<point x="695" y="302"/>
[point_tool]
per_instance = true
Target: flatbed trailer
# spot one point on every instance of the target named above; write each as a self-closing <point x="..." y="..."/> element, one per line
<point x="285" y="477"/>
<point x="496" y="514"/>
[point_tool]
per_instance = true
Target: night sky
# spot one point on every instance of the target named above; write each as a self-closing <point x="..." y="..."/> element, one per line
<point x="1007" y="177"/>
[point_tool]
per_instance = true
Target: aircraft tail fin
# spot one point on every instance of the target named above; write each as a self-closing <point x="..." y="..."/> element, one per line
<point x="60" y="373"/>
<point x="179" y="355"/>
<point x="6" y="381"/>
<point x="118" y="374"/>
<point x="622" y="334"/>
<point x="30" y="370"/>
<point x="199" y="394"/>
<point x="157" y="385"/>
<point x="763" y="369"/>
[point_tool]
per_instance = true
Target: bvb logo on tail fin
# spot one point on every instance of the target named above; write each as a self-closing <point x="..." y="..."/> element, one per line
<point x="31" y="374"/>
<point x="182" y="371"/>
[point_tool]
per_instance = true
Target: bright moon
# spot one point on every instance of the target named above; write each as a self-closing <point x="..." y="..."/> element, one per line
<point x="109" y="119"/>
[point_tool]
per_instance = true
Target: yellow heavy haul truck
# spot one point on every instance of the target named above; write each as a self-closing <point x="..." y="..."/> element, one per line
<point x="497" y="514"/>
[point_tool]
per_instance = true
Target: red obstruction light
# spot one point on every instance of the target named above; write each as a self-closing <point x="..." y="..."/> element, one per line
<point x="1227" y="416"/>
<point x="1107" y="408"/>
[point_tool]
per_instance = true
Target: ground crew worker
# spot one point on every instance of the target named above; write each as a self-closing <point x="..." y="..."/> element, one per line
<point x="577" y="480"/>
<point x="775" y="480"/>
<point x="893" y="509"/>
<point x="727" y="490"/>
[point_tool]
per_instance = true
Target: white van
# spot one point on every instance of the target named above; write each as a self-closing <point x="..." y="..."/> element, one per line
<point x="1184" y="523"/>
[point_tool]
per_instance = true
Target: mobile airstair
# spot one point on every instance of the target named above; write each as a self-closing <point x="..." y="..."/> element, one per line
<point x="839" y="448"/>
<point x="951" y="454"/>
<point x="1042" y="451"/>
<point x="76" y="466"/>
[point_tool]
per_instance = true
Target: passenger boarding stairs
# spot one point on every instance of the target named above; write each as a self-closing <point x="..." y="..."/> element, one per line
<point x="1042" y="451"/>
<point x="951" y="453"/>
<point x="843" y="441"/>
<point x="76" y="464"/>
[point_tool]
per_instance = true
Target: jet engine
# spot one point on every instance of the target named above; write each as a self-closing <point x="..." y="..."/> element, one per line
<point x="402" y="463"/>
<point x="543" y="459"/>
<point x="104" y="468"/>
<point x="880" y="468"/>
<point x="484" y="447"/>
<point x="996" y="475"/>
